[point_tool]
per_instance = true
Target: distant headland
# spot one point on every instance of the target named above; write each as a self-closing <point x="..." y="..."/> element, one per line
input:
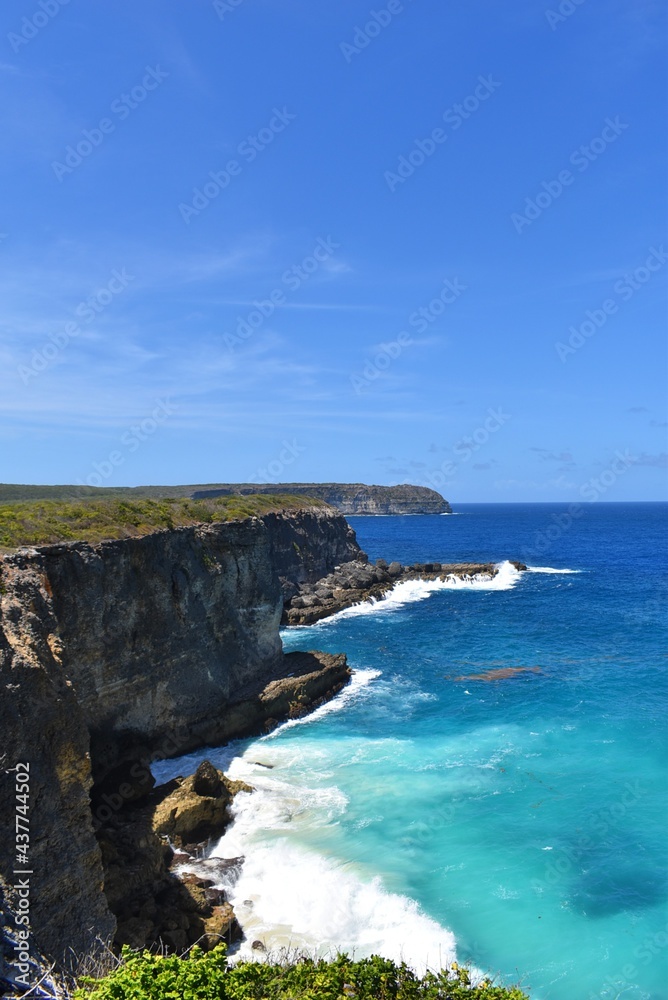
<point x="348" y="498"/>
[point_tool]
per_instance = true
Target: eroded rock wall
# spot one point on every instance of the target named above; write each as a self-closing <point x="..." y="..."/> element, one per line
<point x="43" y="726"/>
<point x="110" y="652"/>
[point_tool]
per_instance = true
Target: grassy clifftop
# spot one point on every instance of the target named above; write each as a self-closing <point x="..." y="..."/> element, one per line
<point x="349" y="498"/>
<point x="45" y="522"/>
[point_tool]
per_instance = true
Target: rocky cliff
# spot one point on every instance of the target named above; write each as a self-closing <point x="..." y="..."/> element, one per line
<point x="115" y="654"/>
<point x="349" y="498"/>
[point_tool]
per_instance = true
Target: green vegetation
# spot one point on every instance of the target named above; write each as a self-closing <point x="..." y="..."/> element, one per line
<point x="13" y="492"/>
<point x="207" y="977"/>
<point x="44" y="522"/>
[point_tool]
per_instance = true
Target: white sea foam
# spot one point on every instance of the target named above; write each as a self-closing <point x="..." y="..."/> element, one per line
<point x="222" y="757"/>
<point x="291" y="896"/>
<point x="550" y="569"/>
<point x="409" y="591"/>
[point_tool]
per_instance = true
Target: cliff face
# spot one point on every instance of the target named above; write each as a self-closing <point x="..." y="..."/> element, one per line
<point x="43" y="726"/>
<point x="114" y="652"/>
<point x="349" y="498"/>
<point x="160" y="633"/>
<point x="303" y="553"/>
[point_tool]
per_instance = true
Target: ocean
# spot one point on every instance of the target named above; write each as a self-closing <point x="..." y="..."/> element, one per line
<point x="492" y="786"/>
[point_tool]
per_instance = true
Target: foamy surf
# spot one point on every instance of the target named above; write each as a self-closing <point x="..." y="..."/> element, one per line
<point x="222" y="757"/>
<point x="359" y="680"/>
<point x="409" y="591"/>
<point x="287" y="895"/>
<point x="550" y="569"/>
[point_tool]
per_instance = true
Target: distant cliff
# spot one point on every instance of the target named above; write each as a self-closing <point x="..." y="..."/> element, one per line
<point x="348" y="498"/>
<point x="116" y="653"/>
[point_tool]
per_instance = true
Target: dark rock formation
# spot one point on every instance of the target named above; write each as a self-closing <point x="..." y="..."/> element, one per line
<point x="152" y="904"/>
<point x="169" y="637"/>
<point x="43" y="726"/>
<point x="193" y="809"/>
<point x="117" y="654"/>
<point x="357" y="581"/>
<point x="304" y="549"/>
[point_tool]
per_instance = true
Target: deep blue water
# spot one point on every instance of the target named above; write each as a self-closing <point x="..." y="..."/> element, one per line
<point x="520" y="821"/>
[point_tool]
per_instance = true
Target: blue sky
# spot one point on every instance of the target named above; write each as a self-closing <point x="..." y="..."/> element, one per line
<point x="451" y="214"/>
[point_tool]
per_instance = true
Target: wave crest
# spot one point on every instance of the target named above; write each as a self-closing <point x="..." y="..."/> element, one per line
<point x="409" y="591"/>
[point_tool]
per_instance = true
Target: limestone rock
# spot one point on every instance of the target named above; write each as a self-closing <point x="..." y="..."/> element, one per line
<point x="208" y="781"/>
<point x="221" y="926"/>
<point x="356" y="581"/>
<point x="196" y="810"/>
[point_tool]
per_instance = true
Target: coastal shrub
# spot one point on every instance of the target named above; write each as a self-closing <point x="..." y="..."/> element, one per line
<point x="199" y="976"/>
<point x="161" y="977"/>
<point x="44" y="522"/>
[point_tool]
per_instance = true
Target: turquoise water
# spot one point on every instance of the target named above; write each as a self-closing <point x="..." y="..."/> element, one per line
<point x="519" y="823"/>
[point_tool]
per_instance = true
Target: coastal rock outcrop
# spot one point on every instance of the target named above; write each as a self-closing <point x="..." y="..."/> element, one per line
<point x="358" y="580"/>
<point x="194" y="809"/>
<point x="145" y="846"/>
<point x="168" y="638"/>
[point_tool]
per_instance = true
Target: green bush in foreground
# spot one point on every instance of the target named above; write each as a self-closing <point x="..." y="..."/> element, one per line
<point x="208" y="977"/>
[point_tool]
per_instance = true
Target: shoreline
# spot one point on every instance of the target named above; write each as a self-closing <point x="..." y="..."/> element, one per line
<point x="228" y="859"/>
<point x="356" y="583"/>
